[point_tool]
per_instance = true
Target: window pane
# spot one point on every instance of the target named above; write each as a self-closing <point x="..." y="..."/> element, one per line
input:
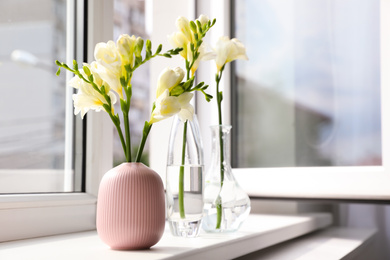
<point x="129" y="18"/>
<point x="310" y="93"/>
<point x="32" y="100"/>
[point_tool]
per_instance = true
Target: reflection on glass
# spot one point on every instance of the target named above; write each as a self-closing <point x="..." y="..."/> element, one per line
<point x="32" y="99"/>
<point x="310" y="94"/>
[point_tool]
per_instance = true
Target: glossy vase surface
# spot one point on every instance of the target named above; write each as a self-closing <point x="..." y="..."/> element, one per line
<point x="184" y="183"/>
<point x="226" y="204"/>
<point x="131" y="207"/>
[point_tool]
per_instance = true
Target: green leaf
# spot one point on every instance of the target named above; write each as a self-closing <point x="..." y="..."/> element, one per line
<point x="107" y="97"/>
<point x="103" y="89"/>
<point x="138" y="60"/>
<point x="148" y="55"/>
<point x="193" y="26"/>
<point x="196" y="56"/>
<point x="188" y="84"/>
<point x="199" y="86"/>
<point x="216" y="77"/>
<point x="138" y="47"/>
<point x="58" y="71"/>
<point x="86" y="70"/>
<point x="66" y="67"/>
<point x="159" y="49"/>
<point x="127" y="68"/>
<point x="146" y="129"/>
<point x="175" y="51"/>
<point x="129" y="91"/>
<point x="149" y="45"/>
<point x="199" y="26"/>
<point x="107" y="108"/>
<point x="220" y="96"/>
<point x="123" y="81"/>
<point x="177" y="91"/>
<point x="205" y="28"/>
<point x="90" y="77"/>
<point x="196" y="36"/>
<point x="75" y="65"/>
<point x="124" y="106"/>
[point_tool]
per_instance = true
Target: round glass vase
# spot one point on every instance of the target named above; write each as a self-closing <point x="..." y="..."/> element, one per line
<point x="226" y="205"/>
<point x="184" y="183"/>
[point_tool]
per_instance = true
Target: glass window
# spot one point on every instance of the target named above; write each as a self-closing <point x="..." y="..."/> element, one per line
<point x="32" y="100"/>
<point x="310" y="93"/>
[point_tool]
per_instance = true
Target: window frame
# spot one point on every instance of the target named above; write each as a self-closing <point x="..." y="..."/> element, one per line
<point x="33" y="215"/>
<point x="364" y="183"/>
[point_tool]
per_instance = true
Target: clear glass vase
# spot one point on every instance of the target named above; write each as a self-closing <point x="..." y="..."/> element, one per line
<point x="184" y="183"/>
<point x="226" y="205"/>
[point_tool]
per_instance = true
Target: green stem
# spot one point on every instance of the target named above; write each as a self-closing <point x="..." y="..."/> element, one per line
<point x="222" y="169"/>
<point x="181" y="174"/>
<point x="183" y="152"/>
<point x="145" y="134"/>
<point x="127" y="133"/>
<point x="116" y="122"/>
<point x="118" y="128"/>
<point x="125" y="110"/>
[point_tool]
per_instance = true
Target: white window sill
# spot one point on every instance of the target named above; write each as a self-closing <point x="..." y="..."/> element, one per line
<point x="333" y="243"/>
<point x="258" y="232"/>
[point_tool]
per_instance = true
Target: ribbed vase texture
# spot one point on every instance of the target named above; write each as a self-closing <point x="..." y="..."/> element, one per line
<point x="131" y="207"/>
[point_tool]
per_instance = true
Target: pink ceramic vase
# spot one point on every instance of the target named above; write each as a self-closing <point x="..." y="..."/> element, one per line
<point x="131" y="207"/>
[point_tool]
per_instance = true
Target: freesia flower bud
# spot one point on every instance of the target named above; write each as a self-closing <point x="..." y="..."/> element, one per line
<point x="168" y="79"/>
<point x="126" y="45"/>
<point x="139" y="46"/>
<point x="229" y="50"/>
<point x="183" y="24"/>
<point x="203" y="19"/>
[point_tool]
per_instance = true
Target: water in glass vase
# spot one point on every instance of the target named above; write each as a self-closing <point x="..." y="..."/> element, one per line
<point x="184" y="199"/>
<point x="235" y="208"/>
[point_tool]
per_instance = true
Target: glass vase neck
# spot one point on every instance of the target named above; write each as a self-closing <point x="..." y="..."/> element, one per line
<point x="220" y="135"/>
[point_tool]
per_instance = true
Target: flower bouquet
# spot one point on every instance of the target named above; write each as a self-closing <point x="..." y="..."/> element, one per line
<point x="131" y="205"/>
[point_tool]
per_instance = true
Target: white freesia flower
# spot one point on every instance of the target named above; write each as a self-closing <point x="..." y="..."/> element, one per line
<point x="168" y="79"/>
<point x="87" y="98"/>
<point x="165" y="106"/>
<point x="229" y="50"/>
<point x="126" y="45"/>
<point x="109" y="65"/>
<point x="187" y="110"/>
